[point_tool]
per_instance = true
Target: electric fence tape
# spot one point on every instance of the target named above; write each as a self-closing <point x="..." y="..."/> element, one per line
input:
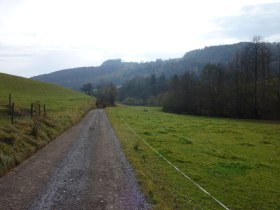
<point x="186" y="176"/>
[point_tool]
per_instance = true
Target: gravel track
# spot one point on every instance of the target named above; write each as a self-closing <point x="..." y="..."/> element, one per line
<point x="84" y="168"/>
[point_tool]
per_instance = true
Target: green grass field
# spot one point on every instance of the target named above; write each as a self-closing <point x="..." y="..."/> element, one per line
<point x="64" y="108"/>
<point x="236" y="161"/>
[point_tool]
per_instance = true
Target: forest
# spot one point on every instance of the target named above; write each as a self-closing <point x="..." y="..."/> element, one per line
<point x="248" y="86"/>
<point x="118" y="71"/>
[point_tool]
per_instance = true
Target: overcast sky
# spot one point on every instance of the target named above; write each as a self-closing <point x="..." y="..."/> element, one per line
<point x="41" y="36"/>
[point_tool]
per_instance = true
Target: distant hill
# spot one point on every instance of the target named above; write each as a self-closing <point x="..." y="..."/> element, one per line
<point x="117" y="71"/>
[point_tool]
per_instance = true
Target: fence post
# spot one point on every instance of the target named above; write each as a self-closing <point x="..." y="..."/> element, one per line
<point x="10" y="100"/>
<point x="39" y="108"/>
<point x="31" y="110"/>
<point x="45" y="114"/>
<point x="36" y="119"/>
<point x="12" y="114"/>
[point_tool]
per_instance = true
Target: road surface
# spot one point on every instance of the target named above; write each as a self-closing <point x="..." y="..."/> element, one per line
<point x="84" y="168"/>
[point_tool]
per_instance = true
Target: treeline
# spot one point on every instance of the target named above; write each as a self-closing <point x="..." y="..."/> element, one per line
<point x="118" y="71"/>
<point x="105" y="94"/>
<point x="143" y="90"/>
<point x="246" y="87"/>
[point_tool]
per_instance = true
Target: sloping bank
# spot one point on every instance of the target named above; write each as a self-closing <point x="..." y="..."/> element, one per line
<point x="64" y="108"/>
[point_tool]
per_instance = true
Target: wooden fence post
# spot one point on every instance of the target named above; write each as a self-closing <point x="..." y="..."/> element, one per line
<point x="31" y="110"/>
<point x="36" y="119"/>
<point x="12" y="114"/>
<point x="45" y="114"/>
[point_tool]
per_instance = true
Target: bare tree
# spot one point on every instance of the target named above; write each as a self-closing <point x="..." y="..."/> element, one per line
<point x="87" y="88"/>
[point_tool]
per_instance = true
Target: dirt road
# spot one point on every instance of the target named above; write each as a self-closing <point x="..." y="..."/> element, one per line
<point x="84" y="168"/>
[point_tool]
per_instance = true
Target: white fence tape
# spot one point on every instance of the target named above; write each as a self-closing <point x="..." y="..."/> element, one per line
<point x="185" y="175"/>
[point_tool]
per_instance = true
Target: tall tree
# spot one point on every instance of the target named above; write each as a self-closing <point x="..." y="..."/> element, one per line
<point x="106" y="95"/>
<point x="87" y="88"/>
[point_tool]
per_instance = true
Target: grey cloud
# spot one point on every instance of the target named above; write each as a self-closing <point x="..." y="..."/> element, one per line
<point x="7" y="55"/>
<point x="261" y="20"/>
<point x="8" y="51"/>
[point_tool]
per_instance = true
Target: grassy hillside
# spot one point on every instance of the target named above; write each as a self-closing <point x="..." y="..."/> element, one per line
<point x="236" y="161"/>
<point x="64" y="107"/>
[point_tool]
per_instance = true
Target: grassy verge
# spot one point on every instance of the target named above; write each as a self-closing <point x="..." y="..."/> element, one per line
<point x="64" y="108"/>
<point x="237" y="161"/>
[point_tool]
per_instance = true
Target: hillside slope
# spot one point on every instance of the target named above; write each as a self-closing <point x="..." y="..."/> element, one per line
<point x="64" y="107"/>
<point x="26" y="90"/>
<point x="118" y="72"/>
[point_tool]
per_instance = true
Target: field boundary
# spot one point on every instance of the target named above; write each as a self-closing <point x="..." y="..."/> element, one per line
<point x="176" y="168"/>
<point x="11" y="111"/>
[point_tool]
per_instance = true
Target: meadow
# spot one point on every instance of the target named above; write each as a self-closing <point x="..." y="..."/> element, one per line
<point x="236" y="161"/>
<point x="64" y="108"/>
